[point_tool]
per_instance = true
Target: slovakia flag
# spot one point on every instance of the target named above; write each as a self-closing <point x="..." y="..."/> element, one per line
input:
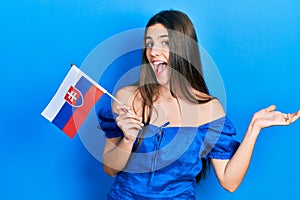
<point x="74" y="99"/>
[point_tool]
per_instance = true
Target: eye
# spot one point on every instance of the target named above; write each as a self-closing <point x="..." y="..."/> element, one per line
<point x="149" y="44"/>
<point x="165" y="43"/>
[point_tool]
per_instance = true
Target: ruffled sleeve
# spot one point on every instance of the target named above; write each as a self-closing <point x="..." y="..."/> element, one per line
<point x="108" y="124"/>
<point x="218" y="141"/>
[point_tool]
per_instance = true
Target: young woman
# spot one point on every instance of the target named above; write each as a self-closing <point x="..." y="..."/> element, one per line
<point x="169" y="129"/>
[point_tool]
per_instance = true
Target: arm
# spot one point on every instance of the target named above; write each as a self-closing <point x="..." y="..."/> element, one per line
<point x="116" y="154"/>
<point x="230" y="173"/>
<point x="118" y="150"/>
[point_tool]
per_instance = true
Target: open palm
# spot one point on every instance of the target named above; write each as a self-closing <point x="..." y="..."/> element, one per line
<point x="269" y="117"/>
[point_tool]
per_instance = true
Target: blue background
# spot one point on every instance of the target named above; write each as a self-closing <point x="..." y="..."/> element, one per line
<point x="255" y="44"/>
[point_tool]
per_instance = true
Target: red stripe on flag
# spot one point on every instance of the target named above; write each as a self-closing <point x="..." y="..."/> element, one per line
<point x="79" y="115"/>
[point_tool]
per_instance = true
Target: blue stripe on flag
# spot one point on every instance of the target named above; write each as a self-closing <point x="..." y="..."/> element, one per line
<point x="66" y="112"/>
<point x="83" y="85"/>
<point x="63" y="115"/>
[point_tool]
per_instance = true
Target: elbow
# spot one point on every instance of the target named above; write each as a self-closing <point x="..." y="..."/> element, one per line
<point x="109" y="171"/>
<point x="230" y="187"/>
<point x="230" y="183"/>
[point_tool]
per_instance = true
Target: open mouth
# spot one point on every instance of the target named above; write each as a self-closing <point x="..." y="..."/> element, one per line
<point x="160" y="66"/>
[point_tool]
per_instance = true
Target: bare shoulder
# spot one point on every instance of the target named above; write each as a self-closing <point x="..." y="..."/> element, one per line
<point x="215" y="105"/>
<point x="211" y="111"/>
<point x="217" y="108"/>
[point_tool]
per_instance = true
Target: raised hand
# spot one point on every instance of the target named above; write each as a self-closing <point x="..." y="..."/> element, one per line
<point x="128" y="122"/>
<point x="269" y="117"/>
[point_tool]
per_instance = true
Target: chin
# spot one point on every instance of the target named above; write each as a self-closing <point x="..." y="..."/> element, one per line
<point x="165" y="83"/>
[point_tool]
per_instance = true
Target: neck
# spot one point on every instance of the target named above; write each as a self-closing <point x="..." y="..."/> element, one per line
<point x="164" y="91"/>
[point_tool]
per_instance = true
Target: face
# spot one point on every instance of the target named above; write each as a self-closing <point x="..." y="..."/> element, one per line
<point x="157" y="52"/>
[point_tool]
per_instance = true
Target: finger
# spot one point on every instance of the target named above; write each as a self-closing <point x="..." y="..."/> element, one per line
<point x="270" y="108"/>
<point x="132" y="122"/>
<point x="129" y="115"/>
<point x="126" y="116"/>
<point x="121" y="112"/>
<point x="286" y="116"/>
<point x="129" y="119"/>
<point x="132" y="127"/>
<point x="122" y="108"/>
<point x="297" y="113"/>
<point x="295" y="116"/>
<point x="289" y="118"/>
<point x="284" y="121"/>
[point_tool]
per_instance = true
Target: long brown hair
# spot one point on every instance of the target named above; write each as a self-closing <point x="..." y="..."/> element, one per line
<point x="184" y="61"/>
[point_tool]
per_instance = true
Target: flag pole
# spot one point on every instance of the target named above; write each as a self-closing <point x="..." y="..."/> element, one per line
<point x="96" y="84"/>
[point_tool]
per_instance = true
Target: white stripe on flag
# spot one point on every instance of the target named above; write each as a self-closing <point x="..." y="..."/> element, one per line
<point x="58" y="101"/>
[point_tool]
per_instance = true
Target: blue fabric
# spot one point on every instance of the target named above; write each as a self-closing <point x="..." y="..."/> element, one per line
<point x="169" y="158"/>
<point x="108" y="124"/>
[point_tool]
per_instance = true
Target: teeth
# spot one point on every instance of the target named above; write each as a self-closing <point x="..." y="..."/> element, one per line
<point x="158" y="62"/>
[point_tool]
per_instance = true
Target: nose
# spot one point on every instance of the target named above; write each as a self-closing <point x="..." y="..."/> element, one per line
<point x="155" y="51"/>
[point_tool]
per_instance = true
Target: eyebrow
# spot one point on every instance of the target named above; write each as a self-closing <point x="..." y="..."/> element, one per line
<point x="163" y="36"/>
<point x="160" y="36"/>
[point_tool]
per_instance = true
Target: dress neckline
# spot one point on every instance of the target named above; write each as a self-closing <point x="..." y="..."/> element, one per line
<point x="166" y="125"/>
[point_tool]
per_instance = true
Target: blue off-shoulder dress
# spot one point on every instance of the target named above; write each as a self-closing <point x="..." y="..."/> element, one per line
<point x="168" y="159"/>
